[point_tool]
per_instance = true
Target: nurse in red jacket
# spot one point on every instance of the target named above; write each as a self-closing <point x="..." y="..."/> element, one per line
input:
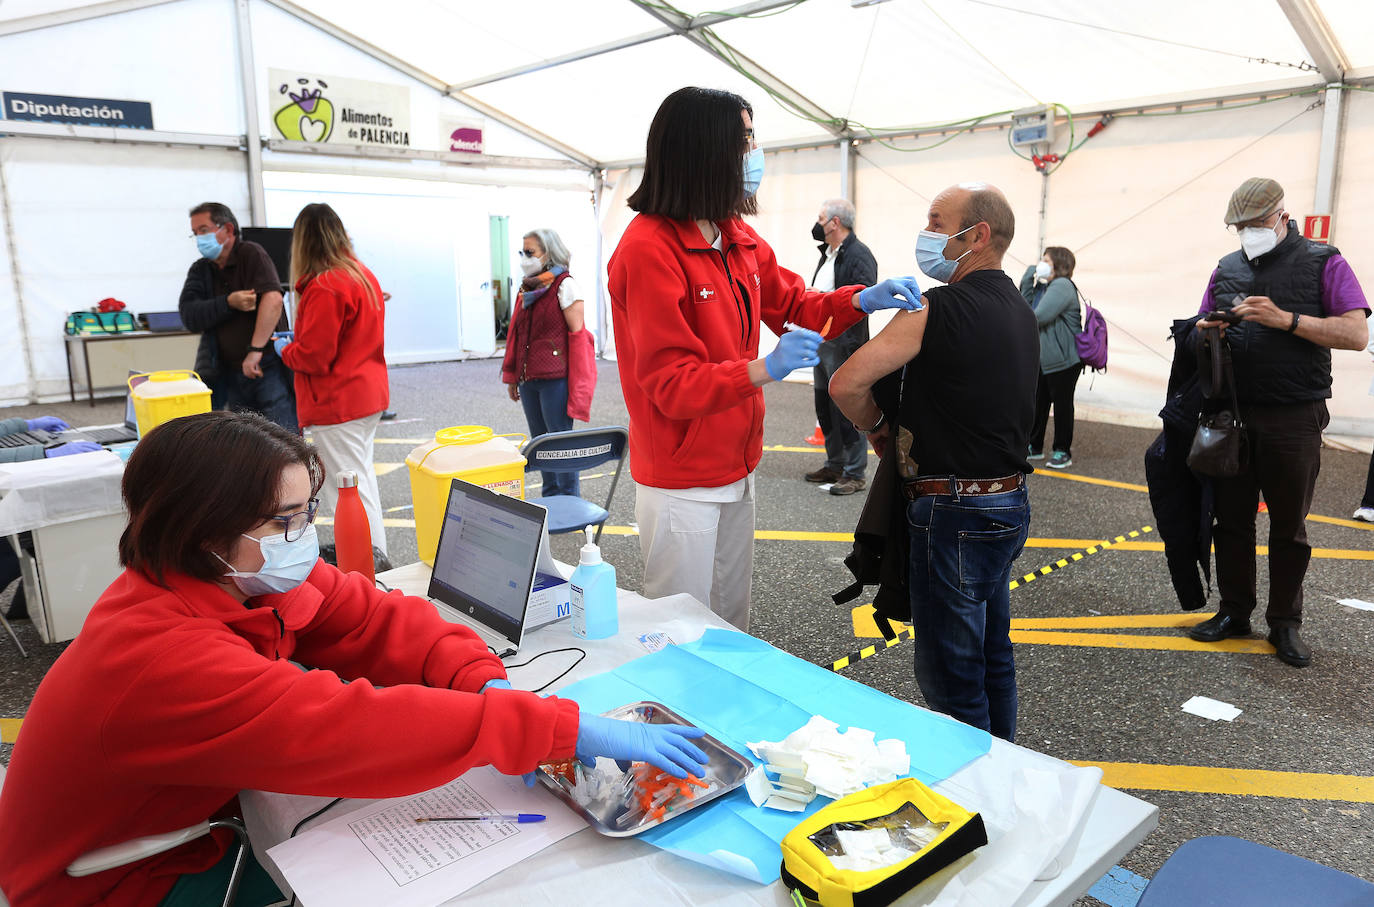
<point x="337" y="355"/>
<point x="181" y="690"/>
<point x="690" y="285"/>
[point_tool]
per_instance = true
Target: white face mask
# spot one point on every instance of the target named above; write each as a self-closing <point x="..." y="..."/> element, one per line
<point x="531" y="266"/>
<point x="1255" y="241"/>
<point x="1043" y="270"/>
<point x="285" y="565"/>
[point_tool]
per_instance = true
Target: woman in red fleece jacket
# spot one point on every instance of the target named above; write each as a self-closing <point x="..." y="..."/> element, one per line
<point x="178" y="692"/>
<point x="690" y="284"/>
<point x="337" y="355"/>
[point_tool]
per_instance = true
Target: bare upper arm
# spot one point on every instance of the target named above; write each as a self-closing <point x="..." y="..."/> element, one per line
<point x="895" y="346"/>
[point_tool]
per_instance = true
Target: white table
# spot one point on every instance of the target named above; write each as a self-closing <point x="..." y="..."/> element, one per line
<point x="626" y="871"/>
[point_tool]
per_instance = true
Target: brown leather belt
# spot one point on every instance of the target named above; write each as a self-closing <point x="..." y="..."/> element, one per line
<point x="951" y="486"/>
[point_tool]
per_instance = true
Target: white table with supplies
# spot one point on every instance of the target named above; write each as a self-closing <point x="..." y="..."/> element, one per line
<point x="588" y="868"/>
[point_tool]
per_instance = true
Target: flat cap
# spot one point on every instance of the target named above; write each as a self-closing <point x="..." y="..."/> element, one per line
<point x="1257" y="197"/>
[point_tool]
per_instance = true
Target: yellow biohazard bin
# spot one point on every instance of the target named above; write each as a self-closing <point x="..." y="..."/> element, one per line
<point x="472" y="453"/>
<point x="166" y="396"/>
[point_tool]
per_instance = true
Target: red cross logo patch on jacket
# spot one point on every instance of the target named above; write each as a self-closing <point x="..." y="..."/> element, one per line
<point x="703" y="293"/>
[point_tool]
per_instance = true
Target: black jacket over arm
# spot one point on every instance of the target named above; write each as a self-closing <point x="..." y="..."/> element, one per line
<point x="202" y="310"/>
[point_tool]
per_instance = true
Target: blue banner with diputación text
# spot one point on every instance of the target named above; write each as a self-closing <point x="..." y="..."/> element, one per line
<point x="54" y="108"/>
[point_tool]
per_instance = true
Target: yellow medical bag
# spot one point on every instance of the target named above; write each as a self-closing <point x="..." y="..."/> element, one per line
<point x="871" y="847"/>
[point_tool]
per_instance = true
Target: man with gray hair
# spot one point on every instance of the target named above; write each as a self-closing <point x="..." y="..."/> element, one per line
<point x="967" y="363"/>
<point x="1290" y="301"/>
<point x="844" y="261"/>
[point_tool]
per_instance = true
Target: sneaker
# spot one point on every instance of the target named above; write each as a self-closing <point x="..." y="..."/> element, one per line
<point x="1365" y="514"/>
<point x="1033" y="454"/>
<point x="823" y="475"/>
<point x="1059" y="460"/>
<point x="847" y="485"/>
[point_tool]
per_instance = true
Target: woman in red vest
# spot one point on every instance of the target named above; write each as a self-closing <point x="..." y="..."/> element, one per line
<point x="336" y="353"/>
<point x="550" y="366"/>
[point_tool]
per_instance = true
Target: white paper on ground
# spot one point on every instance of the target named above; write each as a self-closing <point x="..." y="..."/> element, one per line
<point x="379" y="855"/>
<point x="1356" y="603"/>
<point x="1211" y="708"/>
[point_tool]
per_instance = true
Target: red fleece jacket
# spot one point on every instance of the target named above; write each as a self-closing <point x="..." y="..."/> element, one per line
<point x="172" y="700"/>
<point x="338" y="351"/>
<point x="686" y="328"/>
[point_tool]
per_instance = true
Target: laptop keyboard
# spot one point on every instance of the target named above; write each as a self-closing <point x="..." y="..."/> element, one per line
<point x="25" y="438"/>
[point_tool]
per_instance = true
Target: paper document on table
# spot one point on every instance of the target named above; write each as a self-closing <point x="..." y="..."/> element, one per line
<point x="380" y="855"/>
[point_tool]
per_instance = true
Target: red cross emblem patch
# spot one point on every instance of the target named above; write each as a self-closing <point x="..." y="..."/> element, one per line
<point x="703" y="293"/>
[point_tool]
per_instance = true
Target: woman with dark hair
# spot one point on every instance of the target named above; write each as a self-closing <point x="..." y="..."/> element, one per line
<point x="691" y="284"/>
<point x="550" y="362"/>
<point x="1049" y="288"/>
<point x="181" y="689"/>
<point x="337" y="354"/>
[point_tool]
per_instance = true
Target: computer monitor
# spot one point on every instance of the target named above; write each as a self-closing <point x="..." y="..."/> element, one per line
<point x="277" y="242"/>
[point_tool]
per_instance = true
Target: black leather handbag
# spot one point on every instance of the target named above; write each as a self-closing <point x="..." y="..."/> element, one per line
<point x="1220" y="448"/>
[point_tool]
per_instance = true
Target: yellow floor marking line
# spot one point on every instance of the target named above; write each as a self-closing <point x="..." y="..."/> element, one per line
<point x="783" y="448"/>
<point x="382" y="469"/>
<point x="411" y="441"/>
<point x="1091" y="480"/>
<point x="1245" y="782"/>
<point x="1078" y="556"/>
<point x="865" y="627"/>
<point x="1337" y="521"/>
<point x="388" y="522"/>
<point x="1130" y="641"/>
<point x="9" y="729"/>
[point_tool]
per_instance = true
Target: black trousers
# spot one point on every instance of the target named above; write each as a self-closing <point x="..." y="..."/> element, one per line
<point x="1285" y="456"/>
<point x="1055" y="389"/>
<point x="846" y="450"/>
<point x="1368" y="499"/>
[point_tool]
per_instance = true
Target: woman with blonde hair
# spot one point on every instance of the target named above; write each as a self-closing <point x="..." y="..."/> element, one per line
<point x="336" y="353"/>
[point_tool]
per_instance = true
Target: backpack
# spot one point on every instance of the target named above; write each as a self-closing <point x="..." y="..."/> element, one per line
<point x="1092" y="341"/>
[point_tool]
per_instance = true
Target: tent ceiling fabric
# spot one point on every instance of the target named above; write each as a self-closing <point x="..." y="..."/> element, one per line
<point x="897" y="64"/>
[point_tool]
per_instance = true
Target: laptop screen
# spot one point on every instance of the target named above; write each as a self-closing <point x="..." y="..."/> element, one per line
<point x="484" y="566"/>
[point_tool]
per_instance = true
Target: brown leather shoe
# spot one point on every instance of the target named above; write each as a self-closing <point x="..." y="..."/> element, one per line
<point x="847" y="485"/>
<point x="823" y="475"/>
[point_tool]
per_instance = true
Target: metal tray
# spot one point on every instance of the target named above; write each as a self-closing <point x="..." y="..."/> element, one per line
<point x="726" y="768"/>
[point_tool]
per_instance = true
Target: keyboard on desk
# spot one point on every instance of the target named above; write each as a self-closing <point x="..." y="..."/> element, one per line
<point x="25" y="438"/>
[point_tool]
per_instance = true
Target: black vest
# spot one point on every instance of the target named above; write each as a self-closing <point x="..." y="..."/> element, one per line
<point x="1274" y="366"/>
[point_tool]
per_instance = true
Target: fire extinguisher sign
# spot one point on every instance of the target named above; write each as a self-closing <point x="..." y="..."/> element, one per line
<point x="1317" y="227"/>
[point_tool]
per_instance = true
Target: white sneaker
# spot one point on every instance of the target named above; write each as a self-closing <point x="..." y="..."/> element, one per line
<point x="1365" y="514"/>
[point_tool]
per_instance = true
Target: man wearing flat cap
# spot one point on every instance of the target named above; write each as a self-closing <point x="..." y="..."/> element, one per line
<point x="1297" y="300"/>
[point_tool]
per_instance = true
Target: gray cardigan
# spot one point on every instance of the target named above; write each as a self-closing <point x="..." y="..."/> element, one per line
<point x="1059" y="319"/>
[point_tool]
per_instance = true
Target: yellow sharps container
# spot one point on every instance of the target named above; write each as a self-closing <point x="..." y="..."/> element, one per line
<point x="166" y="396"/>
<point x="472" y="453"/>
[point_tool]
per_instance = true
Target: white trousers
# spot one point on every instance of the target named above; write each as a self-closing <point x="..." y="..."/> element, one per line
<point x="701" y="547"/>
<point x="348" y="445"/>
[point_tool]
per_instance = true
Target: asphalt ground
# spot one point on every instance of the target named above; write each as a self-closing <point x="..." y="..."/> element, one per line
<point x="1292" y="771"/>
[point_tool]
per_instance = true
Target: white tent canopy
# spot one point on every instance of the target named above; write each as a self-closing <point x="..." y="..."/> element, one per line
<point x="885" y="103"/>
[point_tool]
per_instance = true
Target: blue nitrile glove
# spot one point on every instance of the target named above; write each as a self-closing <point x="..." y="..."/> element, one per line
<point x="280" y="343"/>
<point x="664" y="746"/>
<point x="72" y="447"/>
<point x="796" y="349"/>
<point x="893" y="293"/>
<point x="47" y="423"/>
<point x="500" y="683"/>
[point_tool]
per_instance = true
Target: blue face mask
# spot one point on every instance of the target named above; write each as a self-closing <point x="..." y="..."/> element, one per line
<point x="930" y="254"/>
<point x="209" y="246"/>
<point x="753" y="171"/>
<point x="285" y="565"/>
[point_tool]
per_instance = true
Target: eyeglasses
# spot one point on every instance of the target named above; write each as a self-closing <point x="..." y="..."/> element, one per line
<point x="525" y="253"/>
<point x="210" y="231"/>
<point x="1261" y="222"/>
<point x="294" y="524"/>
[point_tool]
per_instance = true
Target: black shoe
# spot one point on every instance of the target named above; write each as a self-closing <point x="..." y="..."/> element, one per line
<point x="380" y="562"/>
<point x="1290" y="647"/>
<point x="847" y="485"/>
<point x="388" y="415"/>
<point x="1220" y="627"/>
<point x="822" y="475"/>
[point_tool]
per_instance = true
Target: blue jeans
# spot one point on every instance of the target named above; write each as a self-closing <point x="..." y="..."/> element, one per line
<point x="962" y="548"/>
<point x="273" y="395"/>
<point x="546" y="409"/>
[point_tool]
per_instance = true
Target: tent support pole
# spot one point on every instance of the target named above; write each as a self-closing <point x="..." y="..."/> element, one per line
<point x="13" y="250"/>
<point x="1044" y="211"/>
<point x="252" y="134"/>
<point x="848" y="176"/>
<point x="1329" y="152"/>
<point x="598" y="185"/>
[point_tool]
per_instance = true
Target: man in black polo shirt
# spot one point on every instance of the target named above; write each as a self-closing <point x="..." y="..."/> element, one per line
<point x="233" y="296"/>
<point x="972" y="362"/>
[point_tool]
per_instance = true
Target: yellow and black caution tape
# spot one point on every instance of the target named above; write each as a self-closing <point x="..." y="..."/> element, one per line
<point x="908" y="633"/>
<point x="1079" y="555"/>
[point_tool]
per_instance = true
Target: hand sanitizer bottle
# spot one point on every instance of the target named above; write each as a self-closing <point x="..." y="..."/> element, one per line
<point x="594" y="614"/>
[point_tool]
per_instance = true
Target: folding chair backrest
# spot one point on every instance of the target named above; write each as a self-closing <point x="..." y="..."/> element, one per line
<point x="576" y="450"/>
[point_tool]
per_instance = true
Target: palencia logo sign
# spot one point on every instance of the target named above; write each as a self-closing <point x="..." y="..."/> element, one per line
<point x="308" y="107"/>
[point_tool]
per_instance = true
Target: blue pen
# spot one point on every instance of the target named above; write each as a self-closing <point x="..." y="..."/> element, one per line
<point x="521" y="818"/>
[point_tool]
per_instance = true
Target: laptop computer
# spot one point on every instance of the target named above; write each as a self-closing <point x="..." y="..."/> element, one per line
<point x="104" y="435"/>
<point x="485" y="565"/>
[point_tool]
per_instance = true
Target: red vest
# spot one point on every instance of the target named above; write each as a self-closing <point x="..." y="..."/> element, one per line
<point x="537" y="341"/>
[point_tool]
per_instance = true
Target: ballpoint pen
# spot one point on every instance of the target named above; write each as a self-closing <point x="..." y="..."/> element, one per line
<point x="521" y="818"/>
